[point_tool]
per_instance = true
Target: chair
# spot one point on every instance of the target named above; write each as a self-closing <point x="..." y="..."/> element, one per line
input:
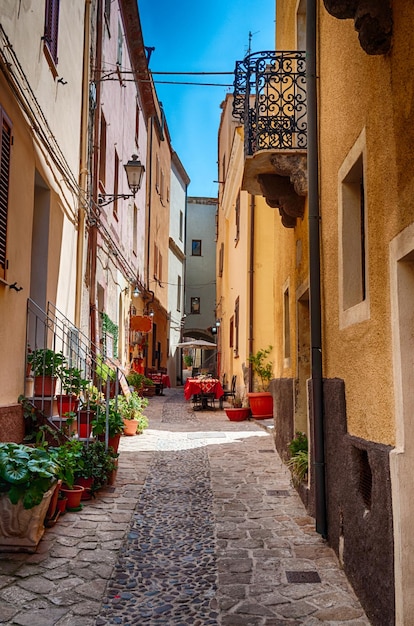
<point x="229" y="393"/>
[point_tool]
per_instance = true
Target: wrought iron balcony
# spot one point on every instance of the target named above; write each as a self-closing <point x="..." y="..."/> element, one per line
<point x="270" y="100"/>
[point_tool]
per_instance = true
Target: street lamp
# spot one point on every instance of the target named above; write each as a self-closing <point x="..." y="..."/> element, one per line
<point x="134" y="171"/>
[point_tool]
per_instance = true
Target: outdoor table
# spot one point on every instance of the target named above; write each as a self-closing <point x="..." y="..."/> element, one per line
<point x="160" y="380"/>
<point x="203" y="388"/>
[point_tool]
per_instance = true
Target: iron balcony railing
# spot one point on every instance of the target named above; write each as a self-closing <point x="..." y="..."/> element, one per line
<point x="270" y="99"/>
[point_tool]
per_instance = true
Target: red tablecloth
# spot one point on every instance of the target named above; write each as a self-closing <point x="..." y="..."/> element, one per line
<point x="159" y="379"/>
<point x="195" y="386"/>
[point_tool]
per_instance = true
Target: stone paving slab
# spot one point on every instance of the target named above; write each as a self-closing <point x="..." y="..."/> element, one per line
<point x="201" y="527"/>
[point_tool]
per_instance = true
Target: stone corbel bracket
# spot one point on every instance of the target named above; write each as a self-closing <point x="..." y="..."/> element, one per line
<point x="282" y="179"/>
<point x="372" y="19"/>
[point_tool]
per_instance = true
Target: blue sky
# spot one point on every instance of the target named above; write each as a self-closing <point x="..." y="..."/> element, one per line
<point x="209" y="36"/>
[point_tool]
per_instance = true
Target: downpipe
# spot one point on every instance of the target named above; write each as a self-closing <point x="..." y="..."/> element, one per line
<point x="314" y="272"/>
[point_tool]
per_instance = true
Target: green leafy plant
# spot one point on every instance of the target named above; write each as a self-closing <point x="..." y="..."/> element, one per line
<point x="104" y="371"/>
<point x="115" y="419"/>
<point x="26" y="473"/>
<point x="72" y="380"/>
<point x="97" y="463"/>
<point x="46" y="362"/>
<point x="299" y="460"/>
<point x="131" y="407"/>
<point x="262" y="369"/>
<point x="188" y="360"/>
<point x="136" y="380"/>
<point x="69" y="460"/>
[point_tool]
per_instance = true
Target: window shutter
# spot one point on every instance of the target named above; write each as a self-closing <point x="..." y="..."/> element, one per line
<point x="4" y="189"/>
<point x="51" y="27"/>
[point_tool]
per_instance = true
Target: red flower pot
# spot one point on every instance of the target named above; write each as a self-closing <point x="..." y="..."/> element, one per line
<point x="67" y="404"/>
<point x="74" y="496"/>
<point x="238" y="414"/>
<point x="261" y="404"/>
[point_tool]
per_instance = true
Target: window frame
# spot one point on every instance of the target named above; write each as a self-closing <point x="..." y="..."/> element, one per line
<point x="196" y="243"/>
<point x="51" y="34"/>
<point x="193" y="306"/>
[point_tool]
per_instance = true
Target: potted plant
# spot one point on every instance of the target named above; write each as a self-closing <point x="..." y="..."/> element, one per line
<point x="46" y="366"/>
<point x="97" y="465"/>
<point x="28" y="477"/>
<point x="115" y="423"/>
<point x="136" y="381"/>
<point x="148" y="389"/>
<point x="131" y="410"/>
<point x="238" y="412"/>
<point x="261" y="401"/>
<point x="72" y="384"/>
<point x="188" y="360"/>
<point x="91" y="398"/>
<point x="69" y="461"/>
<point x="299" y="460"/>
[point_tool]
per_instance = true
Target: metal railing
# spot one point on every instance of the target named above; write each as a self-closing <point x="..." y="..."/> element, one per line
<point x="270" y="99"/>
<point x="52" y="330"/>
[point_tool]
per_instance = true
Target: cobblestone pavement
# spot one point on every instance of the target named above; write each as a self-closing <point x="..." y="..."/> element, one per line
<point x="202" y="527"/>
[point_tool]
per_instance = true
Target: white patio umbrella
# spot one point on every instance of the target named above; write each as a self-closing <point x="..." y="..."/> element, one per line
<point x="197" y="344"/>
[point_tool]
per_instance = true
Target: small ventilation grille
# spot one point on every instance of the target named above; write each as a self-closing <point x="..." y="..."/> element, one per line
<point x="303" y="577"/>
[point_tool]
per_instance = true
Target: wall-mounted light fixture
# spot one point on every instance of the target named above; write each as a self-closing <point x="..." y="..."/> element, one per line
<point x="134" y="172"/>
<point x="136" y="291"/>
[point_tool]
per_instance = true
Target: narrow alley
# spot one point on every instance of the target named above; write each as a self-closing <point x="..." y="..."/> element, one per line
<point x="202" y="527"/>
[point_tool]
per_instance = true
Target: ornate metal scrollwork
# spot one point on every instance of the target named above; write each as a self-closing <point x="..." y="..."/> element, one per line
<point x="270" y="99"/>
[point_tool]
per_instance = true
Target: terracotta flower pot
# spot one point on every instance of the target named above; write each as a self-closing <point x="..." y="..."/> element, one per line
<point x="86" y="483"/>
<point x="61" y="505"/>
<point x="67" y="404"/>
<point x="238" y="414"/>
<point x="130" y="427"/>
<point x="74" y="496"/>
<point x="85" y="426"/>
<point x="44" y="386"/>
<point x="261" y="404"/>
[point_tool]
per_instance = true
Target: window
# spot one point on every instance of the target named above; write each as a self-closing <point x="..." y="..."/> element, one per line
<point x="155" y="260"/>
<point x="178" y="293"/>
<point x="102" y="153"/>
<point x="301" y="26"/>
<point x="231" y="332"/>
<point x="5" y="151"/>
<point x="50" y="37"/>
<point x="286" y="324"/>
<point x="135" y="230"/>
<point x="107" y="11"/>
<point x="196" y="247"/>
<point x="119" y="48"/>
<point x="195" y="306"/>
<point x="352" y="245"/>
<point x="221" y="259"/>
<point x="237" y="218"/>
<point x="162" y="183"/>
<point x="157" y="174"/>
<point x="116" y="185"/>
<point x="181" y="227"/>
<point x="159" y="267"/>
<point x="236" y="327"/>
<point x="137" y="112"/>
<point x="353" y="235"/>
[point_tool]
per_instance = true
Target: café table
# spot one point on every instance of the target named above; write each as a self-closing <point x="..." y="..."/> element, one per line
<point x="160" y="380"/>
<point x="201" y="390"/>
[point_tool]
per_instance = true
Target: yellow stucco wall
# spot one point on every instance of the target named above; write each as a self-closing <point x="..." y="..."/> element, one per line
<point x="357" y="94"/>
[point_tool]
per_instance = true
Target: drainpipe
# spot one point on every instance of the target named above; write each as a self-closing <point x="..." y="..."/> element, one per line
<point x="251" y="285"/>
<point x="314" y="272"/>
<point x="83" y="175"/>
